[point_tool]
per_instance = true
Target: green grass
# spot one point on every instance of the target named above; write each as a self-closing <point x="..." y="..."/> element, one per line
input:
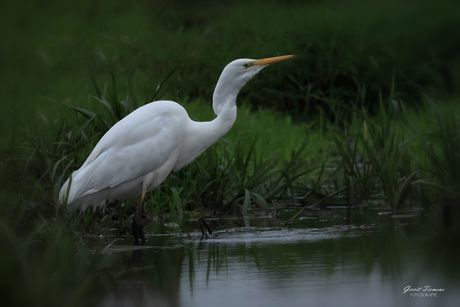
<point x="89" y="65"/>
<point x="441" y="144"/>
<point x="103" y="61"/>
<point x="346" y="53"/>
<point x="378" y="158"/>
<point x="70" y="71"/>
<point x="401" y="152"/>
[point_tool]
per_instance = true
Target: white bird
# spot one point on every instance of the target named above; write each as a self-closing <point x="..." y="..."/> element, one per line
<point x="137" y="154"/>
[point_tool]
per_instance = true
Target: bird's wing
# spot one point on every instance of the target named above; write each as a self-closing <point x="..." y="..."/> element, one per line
<point x="135" y="146"/>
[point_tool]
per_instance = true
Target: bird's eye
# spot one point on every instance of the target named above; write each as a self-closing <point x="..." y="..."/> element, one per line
<point x="246" y="65"/>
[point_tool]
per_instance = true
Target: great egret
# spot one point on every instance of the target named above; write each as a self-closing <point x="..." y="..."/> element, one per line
<point x="137" y="154"/>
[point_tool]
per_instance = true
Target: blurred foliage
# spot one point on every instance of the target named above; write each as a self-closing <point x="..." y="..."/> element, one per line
<point x="50" y="267"/>
<point x="70" y="70"/>
<point x="347" y="52"/>
<point x="375" y="157"/>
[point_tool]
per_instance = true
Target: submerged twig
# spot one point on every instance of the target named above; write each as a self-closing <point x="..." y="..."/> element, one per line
<point x="314" y="205"/>
<point x="108" y="246"/>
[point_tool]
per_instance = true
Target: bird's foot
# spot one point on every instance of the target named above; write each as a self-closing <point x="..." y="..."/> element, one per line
<point x="204" y="228"/>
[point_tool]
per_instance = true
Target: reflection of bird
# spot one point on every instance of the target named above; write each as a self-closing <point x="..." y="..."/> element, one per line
<point x="139" y="152"/>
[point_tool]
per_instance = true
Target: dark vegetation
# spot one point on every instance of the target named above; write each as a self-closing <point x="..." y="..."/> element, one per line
<point x="369" y="105"/>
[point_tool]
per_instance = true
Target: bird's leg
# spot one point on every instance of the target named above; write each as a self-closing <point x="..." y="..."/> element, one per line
<point x="137" y="226"/>
<point x="206" y="230"/>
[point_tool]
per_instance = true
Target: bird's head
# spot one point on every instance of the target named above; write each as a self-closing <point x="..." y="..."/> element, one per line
<point x="244" y="69"/>
<point x="236" y="74"/>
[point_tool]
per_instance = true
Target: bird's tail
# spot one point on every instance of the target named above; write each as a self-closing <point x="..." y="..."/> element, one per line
<point x="68" y="197"/>
<point x="65" y="192"/>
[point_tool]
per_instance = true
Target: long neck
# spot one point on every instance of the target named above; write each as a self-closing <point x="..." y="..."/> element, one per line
<point x="224" y="103"/>
<point x="226" y="116"/>
<point x="201" y="135"/>
<point x="225" y="93"/>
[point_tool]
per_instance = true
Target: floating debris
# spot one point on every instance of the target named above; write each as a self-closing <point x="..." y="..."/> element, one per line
<point x="245" y="229"/>
<point x="171" y="225"/>
<point x="128" y="248"/>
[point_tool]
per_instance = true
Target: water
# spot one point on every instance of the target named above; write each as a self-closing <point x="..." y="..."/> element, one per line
<point x="322" y="260"/>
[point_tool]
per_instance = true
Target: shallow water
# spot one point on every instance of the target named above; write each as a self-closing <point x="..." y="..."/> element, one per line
<point x="323" y="259"/>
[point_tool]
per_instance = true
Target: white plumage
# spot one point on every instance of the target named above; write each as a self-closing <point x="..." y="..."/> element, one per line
<point x="142" y="149"/>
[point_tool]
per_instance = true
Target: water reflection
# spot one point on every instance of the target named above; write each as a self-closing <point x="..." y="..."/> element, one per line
<point x="353" y="264"/>
<point x="150" y="277"/>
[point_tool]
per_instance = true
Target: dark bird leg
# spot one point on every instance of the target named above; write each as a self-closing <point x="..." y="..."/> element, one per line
<point x="137" y="226"/>
<point x="204" y="230"/>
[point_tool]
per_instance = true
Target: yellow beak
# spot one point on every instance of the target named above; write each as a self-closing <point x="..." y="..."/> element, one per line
<point x="276" y="59"/>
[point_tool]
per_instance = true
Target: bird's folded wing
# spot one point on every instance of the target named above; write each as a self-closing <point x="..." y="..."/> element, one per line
<point x="134" y="147"/>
